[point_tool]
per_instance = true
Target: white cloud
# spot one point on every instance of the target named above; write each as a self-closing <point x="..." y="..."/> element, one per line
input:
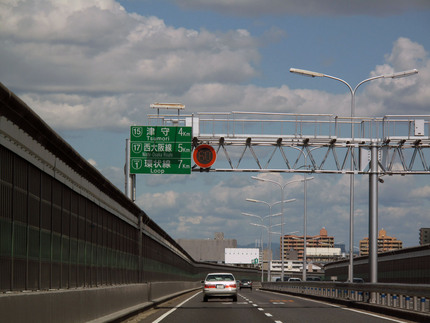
<point x="96" y="47"/>
<point x="421" y="192"/>
<point x="405" y="52"/>
<point x="158" y="201"/>
<point x="376" y="98"/>
<point x="187" y="223"/>
<point x="395" y="96"/>
<point x="65" y="111"/>
<point x="79" y="72"/>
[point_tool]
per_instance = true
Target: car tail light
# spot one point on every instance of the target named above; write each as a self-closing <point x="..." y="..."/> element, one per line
<point x="209" y="286"/>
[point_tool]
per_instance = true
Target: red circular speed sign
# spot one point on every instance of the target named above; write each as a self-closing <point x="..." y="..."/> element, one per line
<point x="204" y="156"/>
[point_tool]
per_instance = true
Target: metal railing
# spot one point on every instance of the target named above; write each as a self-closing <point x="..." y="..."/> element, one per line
<point x="238" y="123"/>
<point x="415" y="298"/>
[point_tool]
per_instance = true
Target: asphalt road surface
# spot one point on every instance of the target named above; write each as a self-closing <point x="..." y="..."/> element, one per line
<point x="254" y="307"/>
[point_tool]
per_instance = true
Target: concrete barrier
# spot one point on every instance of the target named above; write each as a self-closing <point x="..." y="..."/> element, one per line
<point x="101" y="304"/>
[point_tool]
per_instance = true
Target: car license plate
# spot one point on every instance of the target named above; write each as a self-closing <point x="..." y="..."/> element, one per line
<point x="220" y="286"/>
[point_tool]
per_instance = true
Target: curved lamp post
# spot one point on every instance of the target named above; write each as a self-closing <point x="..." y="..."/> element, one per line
<point x="305" y="224"/>
<point x="270" y="205"/>
<point x="305" y="216"/>
<point x="282" y="187"/>
<point x="261" y="234"/>
<point x="351" y="190"/>
<point x="269" y="234"/>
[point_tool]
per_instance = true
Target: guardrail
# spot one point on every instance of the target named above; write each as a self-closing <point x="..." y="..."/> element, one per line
<point x="401" y="297"/>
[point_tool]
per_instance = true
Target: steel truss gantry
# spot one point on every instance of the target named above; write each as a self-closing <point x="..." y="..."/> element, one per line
<point x="309" y="143"/>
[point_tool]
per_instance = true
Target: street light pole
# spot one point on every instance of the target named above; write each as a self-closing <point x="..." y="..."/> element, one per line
<point x="351" y="190"/>
<point x="270" y="205"/>
<point x="305" y="220"/>
<point x="261" y="235"/>
<point x="282" y="187"/>
<point x="305" y="225"/>
<point x="261" y="242"/>
<point x="269" y="227"/>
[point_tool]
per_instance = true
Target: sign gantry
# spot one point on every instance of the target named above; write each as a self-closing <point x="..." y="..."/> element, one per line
<point x="277" y="142"/>
<point x="318" y="143"/>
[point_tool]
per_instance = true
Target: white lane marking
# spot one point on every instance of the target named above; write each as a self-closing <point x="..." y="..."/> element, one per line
<point x="229" y="303"/>
<point x="267" y="314"/>
<point x="162" y="317"/>
<point x="374" y="315"/>
<point x="343" y="308"/>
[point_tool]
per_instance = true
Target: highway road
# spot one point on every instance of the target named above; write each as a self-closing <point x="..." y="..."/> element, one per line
<point x="254" y="307"/>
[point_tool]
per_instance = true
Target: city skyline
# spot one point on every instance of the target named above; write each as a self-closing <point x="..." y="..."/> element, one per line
<point x="382" y="234"/>
<point x="92" y="68"/>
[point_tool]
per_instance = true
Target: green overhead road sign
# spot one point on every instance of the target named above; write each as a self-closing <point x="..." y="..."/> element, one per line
<point x="160" y="150"/>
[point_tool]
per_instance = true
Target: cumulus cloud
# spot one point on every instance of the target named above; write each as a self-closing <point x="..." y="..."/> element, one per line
<point x="158" y="201"/>
<point x="421" y="193"/>
<point x="96" y="47"/>
<point x="186" y="224"/>
<point x="376" y="98"/>
<point x="90" y="64"/>
<point x="306" y="7"/>
<point x="395" y="96"/>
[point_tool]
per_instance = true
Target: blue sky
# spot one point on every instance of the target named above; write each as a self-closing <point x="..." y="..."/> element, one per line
<point x="91" y="68"/>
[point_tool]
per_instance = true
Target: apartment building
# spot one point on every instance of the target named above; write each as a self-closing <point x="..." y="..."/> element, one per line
<point x="385" y="243"/>
<point x="294" y="245"/>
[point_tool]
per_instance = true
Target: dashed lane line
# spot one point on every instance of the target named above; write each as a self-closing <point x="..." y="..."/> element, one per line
<point x="262" y="309"/>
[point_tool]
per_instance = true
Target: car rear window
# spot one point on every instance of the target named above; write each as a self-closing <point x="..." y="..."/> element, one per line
<point x="220" y="278"/>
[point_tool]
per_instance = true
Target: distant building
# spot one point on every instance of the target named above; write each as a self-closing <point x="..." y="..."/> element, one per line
<point x="323" y="255"/>
<point x="291" y="254"/>
<point x="292" y="268"/>
<point x="293" y="244"/>
<point x="208" y="250"/>
<point x="424" y="236"/>
<point x="385" y="243"/>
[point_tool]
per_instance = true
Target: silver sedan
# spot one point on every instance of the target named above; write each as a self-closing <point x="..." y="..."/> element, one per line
<point x="218" y="285"/>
